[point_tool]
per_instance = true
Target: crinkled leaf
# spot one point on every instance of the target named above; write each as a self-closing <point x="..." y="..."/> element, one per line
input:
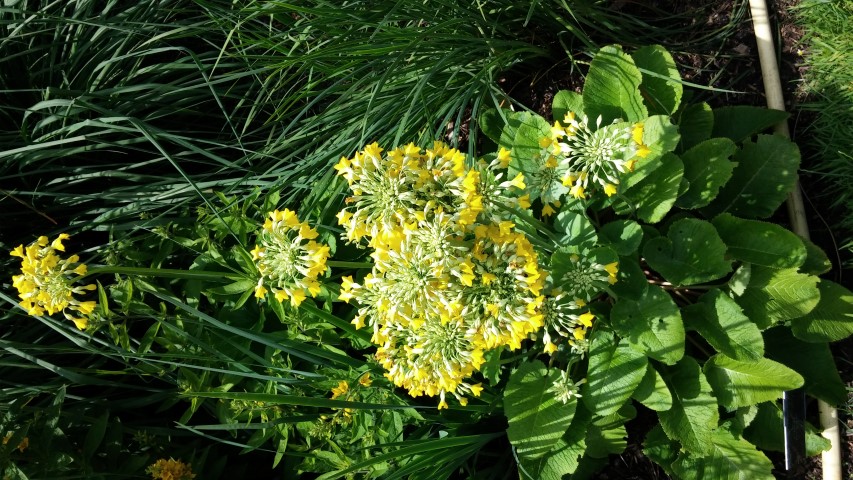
<point x="660" y="449"/>
<point x="661" y="85"/>
<point x="814" y="361"/>
<point x="613" y="374"/>
<point x="731" y="458"/>
<point x="739" y="384"/>
<point x="694" y="413"/>
<point x="831" y="320"/>
<point x="529" y="129"/>
<point x="536" y="418"/>
<point x="564" y="458"/>
<point x="492" y="123"/>
<point x="695" y="122"/>
<point x="661" y="137"/>
<point x="651" y="324"/>
<point x="607" y="435"/>
<point x="612" y="87"/>
<point x="691" y="253"/>
<point x="761" y="243"/>
<point x="775" y="295"/>
<point x="817" y="263"/>
<point x="722" y="323"/>
<point x="576" y="228"/>
<point x="767" y="431"/>
<point x="623" y="235"/>
<point x="653" y="392"/>
<point x="654" y="195"/>
<point x="743" y="121"/>
<point x="766" y="171"/>
<point x="566" y="101"/>
<point x="707" y="166"/>
<point x="631" y="282"/>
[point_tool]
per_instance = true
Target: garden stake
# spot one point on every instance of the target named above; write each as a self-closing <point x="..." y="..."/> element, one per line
<point x="793" y="402"/>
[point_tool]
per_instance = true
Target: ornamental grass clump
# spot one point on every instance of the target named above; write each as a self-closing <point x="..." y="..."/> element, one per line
<point x="46" y="284"/>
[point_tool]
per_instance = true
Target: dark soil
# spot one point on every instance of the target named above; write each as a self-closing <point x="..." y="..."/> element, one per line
<point x="734" y="66"/>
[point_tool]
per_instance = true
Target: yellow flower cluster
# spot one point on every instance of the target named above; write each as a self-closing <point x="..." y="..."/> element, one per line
<point x="170" y="469"/>
<point x="452" y="278"/>
<point x="575" y="155"/>
<point x="288" y="258"/>
<point x="46" y="282"/>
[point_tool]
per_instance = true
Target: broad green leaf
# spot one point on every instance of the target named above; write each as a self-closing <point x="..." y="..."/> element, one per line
<point x="492" y="124"/>
<point x="661" y="136"/>
<point x="530" y="128"/>
<point x="707" y="166"/>
<point x="775" y="295"/>
<point x="607" y="435"/>
<point x="576" y="228"/>
<point x="613" y="374"/>
<point x="661" y="85"/>
<point x="240" y="286"/>
<point x="722" y="323"/>
<point x="653" y="392"/>
<point x="761" y="243"/>
<point x="660" y="449"/>
<point x="691" y="253"/>
<point x="766" y="171"/>
<point x="631" y="282"/>
<point x="601" y="443"/>
<point x="817" y="263"/>
<point x="743" y="417"/>
<point x="510" y="128"/>
<point x="564" y="458"/>
<point x="694" y="413"/>
<point x="731" y="458"/>
<point x="831" y="320"/>
<point x="739" y="384"/>
<point x="743" y="121"/>
<point x="536" y="419"/>
<point x="695" y="123"/>
<point x="655" y="194"/>
<point x="623" y="235"/>
<point x="814" y="361"/>
<point x="651" y="324"/>
<point x="611" y="88"/>
<point x="767" y="431"/>
<point x="566" y="101"/>
<point x="561" y="460"/>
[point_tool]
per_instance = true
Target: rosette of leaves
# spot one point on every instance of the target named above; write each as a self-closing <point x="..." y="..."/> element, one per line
<point x="716" y="312"/>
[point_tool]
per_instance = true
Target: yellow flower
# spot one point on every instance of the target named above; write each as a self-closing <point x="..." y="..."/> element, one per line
<point x="548" y="210"/>
<point x="365" y="380"/>
<point x="504" y="157"/>
<point x="609" y="189"/>
<point x="23" y="445"/>
<point x="288" y="258"/>
<point x="550" y="348"/>
<point x="170" y="470"/>
<point x="524" y="201"/>
<point x="518" y="181"/>
<point x="46" y="282"/>
<point x="340" y="390"/>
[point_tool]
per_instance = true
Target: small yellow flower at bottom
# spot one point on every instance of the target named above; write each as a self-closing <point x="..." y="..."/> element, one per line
<point x="170" y="470"/>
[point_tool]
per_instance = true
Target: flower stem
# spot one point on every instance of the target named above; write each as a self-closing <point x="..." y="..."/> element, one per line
<point x="342" y="264"/>
<point x="166" y="273"/>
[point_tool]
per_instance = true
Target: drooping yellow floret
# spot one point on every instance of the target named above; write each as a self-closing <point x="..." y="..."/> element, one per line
<point x="46" y="283"/>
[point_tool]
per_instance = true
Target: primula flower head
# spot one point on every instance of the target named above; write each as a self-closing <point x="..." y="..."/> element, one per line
<point x="170" y="469"/>
<point x="288" y="258"/>
<point x="594" y="158"/>
<point x="452" y="278"/>
<point x="46" y="283"/>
